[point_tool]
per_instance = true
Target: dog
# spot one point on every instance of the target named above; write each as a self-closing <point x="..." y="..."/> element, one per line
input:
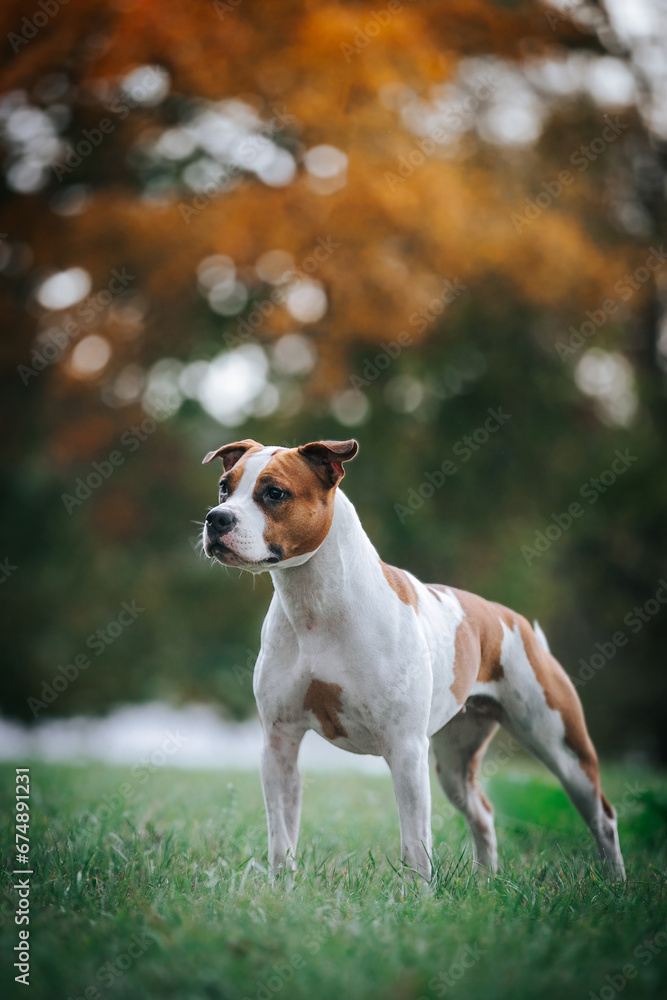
<point x="379" y="663"/>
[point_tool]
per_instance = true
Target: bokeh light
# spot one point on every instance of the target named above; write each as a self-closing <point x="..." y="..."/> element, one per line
<point x="64" y="289"/>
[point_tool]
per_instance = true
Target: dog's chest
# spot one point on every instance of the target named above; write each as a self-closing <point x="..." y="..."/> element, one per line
<point x="334" y="713"/>
<point x="324" y="687"/>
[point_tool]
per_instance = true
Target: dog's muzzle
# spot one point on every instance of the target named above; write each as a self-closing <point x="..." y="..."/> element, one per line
<point x="219" y="522"/>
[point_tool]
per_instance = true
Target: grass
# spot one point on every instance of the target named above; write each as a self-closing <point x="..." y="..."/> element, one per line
<point x="161" y="892"/>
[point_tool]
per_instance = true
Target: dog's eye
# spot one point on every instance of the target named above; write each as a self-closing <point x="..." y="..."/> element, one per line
<point x="274" y="493"/>
<point x="223" y="491"/>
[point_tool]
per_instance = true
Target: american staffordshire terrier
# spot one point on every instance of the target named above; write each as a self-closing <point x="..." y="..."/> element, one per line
<point x="379" y="663"/>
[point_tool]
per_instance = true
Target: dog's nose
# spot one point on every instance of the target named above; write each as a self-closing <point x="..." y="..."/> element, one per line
<point x="220" y="521"/>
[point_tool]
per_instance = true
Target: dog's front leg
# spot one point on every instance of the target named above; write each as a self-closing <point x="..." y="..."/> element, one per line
<point x="408" y="762"/>
<point x="281" y="783"/>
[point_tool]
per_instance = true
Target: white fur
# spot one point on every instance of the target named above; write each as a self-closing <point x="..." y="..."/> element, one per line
<point x="541" y="637"/>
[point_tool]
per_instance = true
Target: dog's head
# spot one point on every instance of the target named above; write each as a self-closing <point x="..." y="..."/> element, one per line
<point x="275" y="504"/>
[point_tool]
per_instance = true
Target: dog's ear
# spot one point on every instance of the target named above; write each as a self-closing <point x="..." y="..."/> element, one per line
<point x="327" y="457"/>
<point x="231" y="453"/>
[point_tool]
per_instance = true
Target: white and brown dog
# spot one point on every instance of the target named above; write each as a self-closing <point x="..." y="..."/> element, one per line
<point x="378" y="663"/>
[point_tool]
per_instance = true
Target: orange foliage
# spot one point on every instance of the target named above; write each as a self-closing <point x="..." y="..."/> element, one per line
<point x="451" y="218"/>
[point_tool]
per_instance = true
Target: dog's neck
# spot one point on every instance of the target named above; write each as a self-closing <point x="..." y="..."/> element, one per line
<point x="334" y="577"/>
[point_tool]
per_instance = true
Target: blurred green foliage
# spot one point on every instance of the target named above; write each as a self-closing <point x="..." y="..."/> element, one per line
<point x="199" y="632"/>
<point x="70" y="566"/>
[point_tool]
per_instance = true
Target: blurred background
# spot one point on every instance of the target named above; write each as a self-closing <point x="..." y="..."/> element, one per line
<point x="312" y="219"/>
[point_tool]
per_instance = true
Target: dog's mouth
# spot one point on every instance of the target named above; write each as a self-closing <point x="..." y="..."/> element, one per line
<point x="214" y="547"/>
<point x="218" y="550"/>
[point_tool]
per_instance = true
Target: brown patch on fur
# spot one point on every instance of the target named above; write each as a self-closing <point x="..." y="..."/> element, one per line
<point x="401" y="584"/>
<point x="607" y="806"/>
<point x="435" y="593"/>
<point x="474" y="765"/>
<point x="479" y="637"/>
<point x="485" y="802"/>
<point x="467" y="659"/>
<point x="301" y="522"/>
<point x="275" y="741"/>
<point x="561" y="696"/>
<point x="232" y="453"/>
<point x="479" y="640"/>
<point x="233" y="477"/>
<point x="323" y="700"/>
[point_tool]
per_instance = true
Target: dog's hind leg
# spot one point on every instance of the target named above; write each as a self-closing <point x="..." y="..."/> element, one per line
<point x="459" y="747"/>
<point x="542" y="710"/>
<point x="577" y="769"/>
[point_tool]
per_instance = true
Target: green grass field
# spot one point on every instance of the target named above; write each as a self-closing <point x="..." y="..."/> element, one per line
<point x="163" y="893"/>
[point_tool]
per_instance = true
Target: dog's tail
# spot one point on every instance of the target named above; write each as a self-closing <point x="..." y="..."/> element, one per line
<point x="541" y="637"/>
